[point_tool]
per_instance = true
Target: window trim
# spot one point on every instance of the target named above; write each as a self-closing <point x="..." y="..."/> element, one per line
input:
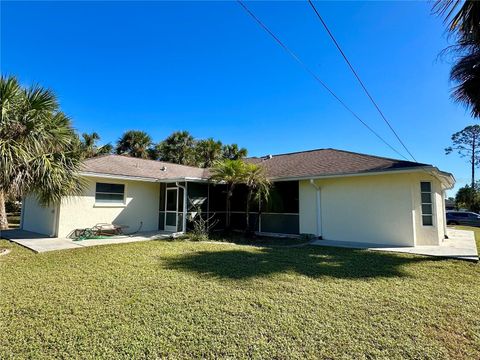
<point x="431" y="203"/>
<point x="119" y="203"/>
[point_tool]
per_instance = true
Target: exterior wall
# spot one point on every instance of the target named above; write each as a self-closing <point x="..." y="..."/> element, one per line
<point x="380" y="209"/>
<point x="141" y="205"/>
<point x="37" y="218"/>
<point x="429" y="235"/>
<point x="307" y="208"/>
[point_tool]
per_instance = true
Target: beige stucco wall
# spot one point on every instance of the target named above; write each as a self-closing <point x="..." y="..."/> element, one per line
<point x="38" y="218"/>
<point x="429" y="235"/>
<point x="141" y="205"/>
<point x="381" y="209"/>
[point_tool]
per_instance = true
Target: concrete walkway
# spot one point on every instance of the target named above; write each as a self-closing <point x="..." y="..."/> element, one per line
<point x="460" y="245"/>
<point x="39" y="243"/>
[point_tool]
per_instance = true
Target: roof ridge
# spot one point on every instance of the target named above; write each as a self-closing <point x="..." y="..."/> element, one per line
<point x="289" y="153"/>
<point x="338" y="150"/>
<point x="376" y="156"/>
<point x="96" y="157"/>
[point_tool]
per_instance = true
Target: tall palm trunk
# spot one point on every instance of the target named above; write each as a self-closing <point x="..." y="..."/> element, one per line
<point x="3" y="212"/>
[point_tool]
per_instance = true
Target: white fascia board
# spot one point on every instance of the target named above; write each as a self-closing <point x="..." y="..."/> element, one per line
<point x="449" y="179"/>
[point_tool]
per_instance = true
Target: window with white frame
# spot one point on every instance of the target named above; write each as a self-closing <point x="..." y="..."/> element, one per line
<point x="110" y="193"/>
<point x="427" y="203"/>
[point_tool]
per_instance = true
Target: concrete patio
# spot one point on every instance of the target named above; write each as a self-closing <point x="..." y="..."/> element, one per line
<point x="459" y="245"/>
<point x="39" y="243"/>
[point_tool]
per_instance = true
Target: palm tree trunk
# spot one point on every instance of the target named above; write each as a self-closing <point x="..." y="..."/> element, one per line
<point x="3" y="212"/>
<point x="473" y="161"/>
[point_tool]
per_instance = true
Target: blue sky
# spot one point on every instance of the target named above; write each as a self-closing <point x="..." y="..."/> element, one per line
<point x="206" y="67"/>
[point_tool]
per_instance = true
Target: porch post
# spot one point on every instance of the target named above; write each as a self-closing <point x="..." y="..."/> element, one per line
<point x="185" y="198"/>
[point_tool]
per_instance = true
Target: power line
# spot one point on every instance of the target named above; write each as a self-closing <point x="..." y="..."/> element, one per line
<point x="298" y="60"/>
<point x="358" y="78"/>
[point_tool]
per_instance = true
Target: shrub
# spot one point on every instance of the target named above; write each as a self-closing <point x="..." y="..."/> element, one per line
<point x="201" y="225"/>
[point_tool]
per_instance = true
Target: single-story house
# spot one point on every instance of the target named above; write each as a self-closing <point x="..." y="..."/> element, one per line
<point x="326" y="193"/>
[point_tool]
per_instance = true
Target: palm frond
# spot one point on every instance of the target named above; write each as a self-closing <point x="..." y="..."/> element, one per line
<point x="466" y="73"/>
<point x="38" y="146"/>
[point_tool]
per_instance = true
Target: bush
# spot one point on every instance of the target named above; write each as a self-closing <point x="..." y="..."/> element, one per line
<point x="201" y="225"/>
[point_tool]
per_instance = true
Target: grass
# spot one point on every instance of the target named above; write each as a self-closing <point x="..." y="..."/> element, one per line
<point x="239" y="238"/>
<point x="181" y="299"/>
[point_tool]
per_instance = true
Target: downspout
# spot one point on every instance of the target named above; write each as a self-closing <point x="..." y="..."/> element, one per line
<point x="184" y="220"/>
<point x="56" y="214"/>
<point x="318" y="209"/>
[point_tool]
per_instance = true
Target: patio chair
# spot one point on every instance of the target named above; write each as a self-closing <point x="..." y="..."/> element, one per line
<point x="105" y="229"/>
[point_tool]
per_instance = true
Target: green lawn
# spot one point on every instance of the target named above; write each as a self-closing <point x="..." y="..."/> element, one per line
<point x="183" y="299"/>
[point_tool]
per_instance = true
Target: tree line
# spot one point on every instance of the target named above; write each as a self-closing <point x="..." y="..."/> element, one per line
<point x="180" y="148"/>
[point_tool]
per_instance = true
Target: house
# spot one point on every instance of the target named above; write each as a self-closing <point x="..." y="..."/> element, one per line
<point x="330" y="194"/>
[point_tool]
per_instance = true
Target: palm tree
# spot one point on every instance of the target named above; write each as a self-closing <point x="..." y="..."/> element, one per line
<point x="39" y="151"/>
<point x="134" y="143"/>
<point x="462" y="17"/>
<point x="466" y="73"/>
<point x="463" y="21"/>
<point x="104" y="149"/>
<point x="233" y="152"/>
<point x="230" y="173"/>
<point x="177" y="148"/>
<point x="89" y="146"/>
<point x="207" y="152"/>
<point x="258" y="189"/>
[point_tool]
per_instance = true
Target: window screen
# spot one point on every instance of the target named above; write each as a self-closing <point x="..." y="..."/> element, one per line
<point x="283" y="198"/>
<point x="427" y="203"/>
<point x="109" y="193"/>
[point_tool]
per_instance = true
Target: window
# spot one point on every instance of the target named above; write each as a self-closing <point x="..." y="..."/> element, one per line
<point x="427" y="203"/>
<point x="110" y="193"/>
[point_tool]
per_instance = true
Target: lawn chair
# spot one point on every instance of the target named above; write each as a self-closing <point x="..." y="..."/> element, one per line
<point x="100" y="230"/>
<point x="105" y="229"/>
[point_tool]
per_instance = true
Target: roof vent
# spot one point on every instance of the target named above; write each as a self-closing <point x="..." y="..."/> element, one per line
<point x="164" y="168"/>
<point x="267" y="157"/>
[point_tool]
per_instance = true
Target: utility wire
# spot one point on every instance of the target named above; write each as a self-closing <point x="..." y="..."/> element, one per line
<point x="310" y="71"/>
<point x="358" y="78"/>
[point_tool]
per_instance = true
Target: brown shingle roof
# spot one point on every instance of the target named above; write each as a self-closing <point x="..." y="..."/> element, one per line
<point x="324" y="162"/>
<point x="320" y="162"/>
<point x="121" y="165"/>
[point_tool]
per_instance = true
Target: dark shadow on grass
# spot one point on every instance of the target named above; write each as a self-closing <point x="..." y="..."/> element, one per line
<point x="310" y="261"/>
